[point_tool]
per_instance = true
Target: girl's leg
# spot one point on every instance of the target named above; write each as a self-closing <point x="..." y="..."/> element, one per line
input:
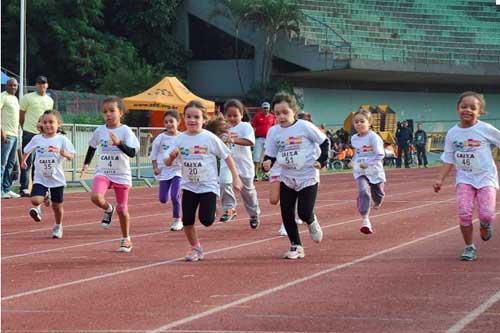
<point x="465" y="202"/>
<point x="121" y="194"/>
<point x="100" y="186"/>
<point x="175" y="186"/>
<point x="274" y="193"/>
<point x="38" y="192"/>
<point x="163" y="191"/>
<point x="363" y="201"/>
<point x="208" y="205"/>
<point x="228" y="201"/>
<point x="57" y="198"/>
<point x="486" y="201"/>
<point x="58" y="212"/>
<point x="249" y="196"/>
<point x="190" y="202"/>
<point x="288" y="197"/>
<point x="377" y="193"/>
<point x="306" y="201"/>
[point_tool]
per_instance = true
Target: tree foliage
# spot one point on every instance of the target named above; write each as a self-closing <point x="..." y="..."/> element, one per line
<point x="87" y="44"/>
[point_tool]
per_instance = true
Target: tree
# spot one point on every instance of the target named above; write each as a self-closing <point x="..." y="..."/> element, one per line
<point x="273" y="17"/>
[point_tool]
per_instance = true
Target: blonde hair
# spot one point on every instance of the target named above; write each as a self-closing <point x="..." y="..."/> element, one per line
<point x="197" y="105"/>
<point x="477" y="96"/>
<point x="365" y="113"/>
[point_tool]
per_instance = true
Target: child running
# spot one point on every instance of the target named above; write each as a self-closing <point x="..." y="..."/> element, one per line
<point x="169" y="177"/>
<point x="50" y="150"/>
<point x="240" y="141"/>
<point x="116" y="144"/>
<point x="300" y="149"/>
<point x="367" y="167"/>
<point x="198" y="150"/>
<point x="467" y="147"/>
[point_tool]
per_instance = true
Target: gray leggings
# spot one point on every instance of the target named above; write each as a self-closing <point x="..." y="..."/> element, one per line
<point x="367" y="192"/>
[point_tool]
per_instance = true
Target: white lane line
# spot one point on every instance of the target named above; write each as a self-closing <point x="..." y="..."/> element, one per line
<point x="160" y="232"/>
<point x="269" y="291"/>
<point x="128" y="270"/>
<point x="471" y="316"/>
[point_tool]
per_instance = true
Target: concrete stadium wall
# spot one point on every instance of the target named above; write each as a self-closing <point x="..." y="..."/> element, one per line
<point x="437" y="110"/>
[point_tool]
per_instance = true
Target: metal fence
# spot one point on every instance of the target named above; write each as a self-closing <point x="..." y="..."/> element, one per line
<point x="80" y="135"/>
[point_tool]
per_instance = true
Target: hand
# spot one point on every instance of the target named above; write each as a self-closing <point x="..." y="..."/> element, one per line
<point x="363" y="165"/>
<point x="174" y="153"/>
<point x="156" y="171"/>
<point x="24" y="165"/>
<point x="437" y="185"/>
<point x="4" y="138"/>
<point x="266" y="165"/>
<point x="317" y="165"/>
<point x="237" y="184"/>
<point x="116" y="141"/>
<point x="85" y="167"/>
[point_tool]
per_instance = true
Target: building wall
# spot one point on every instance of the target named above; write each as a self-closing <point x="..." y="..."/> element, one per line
<point x="219" y="78"/>
<point x="436" y="110"/>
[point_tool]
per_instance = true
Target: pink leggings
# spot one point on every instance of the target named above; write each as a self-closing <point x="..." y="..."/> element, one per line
<point x="101" y="184"/>
<point x="485" y="198"/>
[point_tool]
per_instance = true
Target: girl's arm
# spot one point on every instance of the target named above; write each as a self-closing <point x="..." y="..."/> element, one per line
<point x="241" y="142"/>
<point x="88" y="158"/>
<point x="445" y="169"/>
<point x="156" y="170"/>
<point x="24" y="159"/>
<point x="237" y="184"/>
<point x="171" y="157"/>
<point x="321" y="161"/>
<point x="66" y="154"/>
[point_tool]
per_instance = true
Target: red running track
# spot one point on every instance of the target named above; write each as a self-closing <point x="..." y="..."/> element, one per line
<point x="404" y="278"/>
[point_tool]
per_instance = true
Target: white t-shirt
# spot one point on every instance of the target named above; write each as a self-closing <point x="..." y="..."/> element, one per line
<point x="469" y="149"/>
<point x="160" y="145"/>
<point x="295" y="148"/>
<point x="198" y="156"/>
<point x="48" y="161"/>
<point x="368" y="149"/>
<point x="242" y="155"/>
<point x="225" y="176"/>
<point x="112" y="162"/>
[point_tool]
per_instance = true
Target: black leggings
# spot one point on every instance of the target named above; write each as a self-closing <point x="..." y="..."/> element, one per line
<point x="206" y="201"/>
<point x="306" y="200"/>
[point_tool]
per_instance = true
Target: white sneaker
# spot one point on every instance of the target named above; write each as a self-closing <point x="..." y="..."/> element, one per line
<point x="36" y="214"/>
<point x="57" y="231"/>
<point x="366" y="227"/>
<point x="282" y="230"/>
<point x="315" y="230"/>
<point x="195" y="255"/>
<point x="176" y="225"/>
<point x="13" y="195"/>
<point x="298" y="220"/>
<point x="5" y="195"/>
<point x="295" y="252"/>
<point x="125" y="245"/>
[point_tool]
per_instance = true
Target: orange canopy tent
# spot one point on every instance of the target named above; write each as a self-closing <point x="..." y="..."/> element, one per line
<point x="167" y="94"/>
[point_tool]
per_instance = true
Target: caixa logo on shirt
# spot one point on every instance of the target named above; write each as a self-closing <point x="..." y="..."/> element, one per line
<point x="469" y="144"/>
<point x="48" y="149"/>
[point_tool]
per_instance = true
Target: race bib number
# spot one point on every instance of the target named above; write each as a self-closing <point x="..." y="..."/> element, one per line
<point x="47" y="166"/>
<point x="195" y="170"/>
<point x="291" y="158"/>
<point x="467" y="161"/>
<point x="112" y="163"/>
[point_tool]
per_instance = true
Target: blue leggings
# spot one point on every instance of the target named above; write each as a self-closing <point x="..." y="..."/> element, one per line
<point x="172" y="185"/>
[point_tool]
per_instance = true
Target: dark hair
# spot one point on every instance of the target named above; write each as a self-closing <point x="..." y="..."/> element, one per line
<point x="58" y="116"/>
<point x="236" y="103"/>
<point x="197" y="105"/>
<point x="172" y="113"/>
<point x="118" y="101"/>
<point x="217" y="126"/>
<point x="283" y="96"/>
<point x="477" y="96"/>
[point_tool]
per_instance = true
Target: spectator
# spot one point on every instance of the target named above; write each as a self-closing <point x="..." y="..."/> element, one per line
<point x="420" y="142"/>
<point x="404" y="138"/>
<point x="261" y="122"/>
<point x="9" y="106"/>
<point x="32" y="105"/>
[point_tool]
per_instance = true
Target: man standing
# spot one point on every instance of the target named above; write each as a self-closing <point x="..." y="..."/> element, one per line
<point x="9" y="106"/>
<point x="420" y="142"/>
<point x="404" y="138"/>
<point x="33" y="105"/>
<point x="261" y="122"/>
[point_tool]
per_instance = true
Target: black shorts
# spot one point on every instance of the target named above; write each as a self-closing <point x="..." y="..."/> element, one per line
<point x="56" y="193"/>
<point x="206" y="213"/>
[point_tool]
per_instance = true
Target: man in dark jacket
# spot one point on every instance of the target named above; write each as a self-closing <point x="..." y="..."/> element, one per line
<point x="404" y="137"/>
<point x="420" y="141"/>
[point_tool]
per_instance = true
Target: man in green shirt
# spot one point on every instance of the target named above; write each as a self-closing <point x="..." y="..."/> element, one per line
<point x="33" y="105"/>
<point x="9" y="106"/>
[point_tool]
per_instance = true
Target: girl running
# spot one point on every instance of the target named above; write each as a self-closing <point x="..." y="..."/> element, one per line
<point x="300" y="149"/>
<point x="116" y="144"/>
<point x="50" y="150"/>
<point x="468" y="147"/>
<point x="367" y="167"/>
<point x="169" y="177"/>
<point x="198" y="150"/>
<point x="240" y="141"/>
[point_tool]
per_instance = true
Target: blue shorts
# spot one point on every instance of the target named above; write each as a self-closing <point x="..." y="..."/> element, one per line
<point x="56" y="193"/>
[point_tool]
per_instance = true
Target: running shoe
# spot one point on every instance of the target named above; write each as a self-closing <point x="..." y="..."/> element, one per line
<point x="57" y="231"/>
<point x="176" y="225"/>
<point x="469" y="253"/>
<point x="228" y="215"/>
<point x="36" y="214"/>
<point x="366" y="227"/>
<point x="195" y="255"/>
<point x="254" y="222"/>
<point x="125" y="245"/>
<point x="107" y="218"/>
<point x="486" y="231"/>
<point x="295" y="252"/>
<point x="315" y="230"/>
